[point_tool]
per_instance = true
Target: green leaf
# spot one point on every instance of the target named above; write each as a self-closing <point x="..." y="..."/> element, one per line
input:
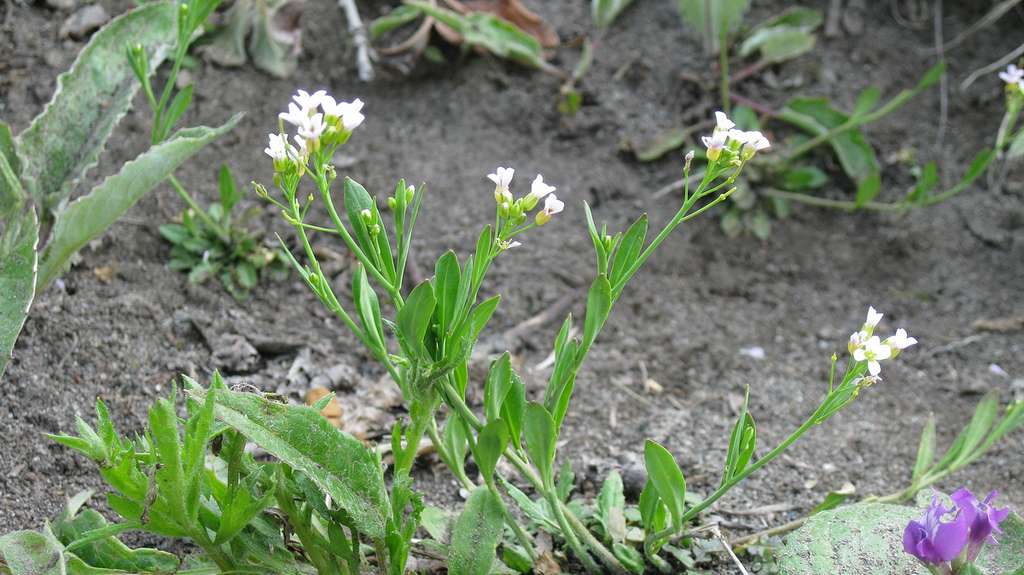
<point x="535" y="510"/>
<point x="866" y="101"/>
<point x="540" y="435"/>
<point x="599" y="305"/>
<point x="358" y="199"/>
<point x="446" y="290"/>
<point x="368" y="307"/>
<point x="108" y="552"/>
<point x="604" y="12"/>
<point x="667" y="479"/>
<point x="513" y="409"/>
<point x="497" y="385"/>
<point x="476" y="534"/>
<point x="629" y="250"/>
<point x="632" y="559"/>
<point x="925" y="450"/>
<point x="455" y="443"/>
<point x="12" y="195"/>
<point x="726" y="14"/>
<point x="795" y="17"/>
<point x="832" y="500"/>
<point x="227" y="189"/>
<point x="490" y="445"/>
<point x="926" y="182"/>
<point x="174" y="233"/>
<point x="778" y="44"/>
<point x="66" y="139"/>
<point x="981" y="422"/>
<point x="18" y="267"/>
<point x="816" y="116"/>
<point x="611" y="507"/>
<point x="88" y="216"/>
<point x="338" y="463"/>
<point x="396" y="18"/>
<point x="652" y="509"/>
<point x="174" y="111"/>
<point x="414" y="318"/>
<point x="802" y="178"/>
<point x="32" y="553"/>
<point x="741" y="445"/>
<point x="868" y="189"/>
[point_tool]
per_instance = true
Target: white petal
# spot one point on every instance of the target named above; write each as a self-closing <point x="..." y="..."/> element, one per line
<point x="722" y="122"/>
<point x="874" y="368"/>
<point x="552" y="205"/>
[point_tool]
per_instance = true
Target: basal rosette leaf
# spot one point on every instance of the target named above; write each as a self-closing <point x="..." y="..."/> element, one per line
<point x="338" y="463"/>
<point x="90" y="215"/>
<point x="18" y="267"/>
<point x="66" y="139"/>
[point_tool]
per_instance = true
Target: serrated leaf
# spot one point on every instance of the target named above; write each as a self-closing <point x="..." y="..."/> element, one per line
<point x="18" y="267"/>
<point x="475" y="534"/>
<point x="338" y="463"/>
<point x="604" y="12"/>
<point x="108" y="552"/>
<point x="816" y="116"/>
<point x="90" y="215"/>
<point x="66" y="139"/>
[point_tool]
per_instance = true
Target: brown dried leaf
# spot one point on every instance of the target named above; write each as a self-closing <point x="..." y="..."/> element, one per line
<point x="512" y="10"/>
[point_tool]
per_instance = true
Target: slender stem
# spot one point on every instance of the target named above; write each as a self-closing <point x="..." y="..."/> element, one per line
<point x="212" y="550"/>
<point x="723" y="68"/>
<point x="554" y="503"/>
<point x="200" y="212"/>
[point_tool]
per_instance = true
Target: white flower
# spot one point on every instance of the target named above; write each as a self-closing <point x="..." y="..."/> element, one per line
<point x="872" y="320"/>
<point x="513" y="244"/>
<point x="714" y="143"/>
<point x="856" y="340"/>
<point x="312" y="128"/>
<point x="552" y="206"/>
<point x="278" y="147"/>
<point x="757" y="141"/>
<point x="538" y="189"/>
<point x="302" y="144"/>
<point x="295" y="115"/>
<point x="723" y="123"/>
<point x="502" y="177"/>
<point x="1012" y="74"/>
<point x="872" y="352"/>
<point x="348" y="112"/>
<point x="900" y="341"/>
<point x="308" y="102"/>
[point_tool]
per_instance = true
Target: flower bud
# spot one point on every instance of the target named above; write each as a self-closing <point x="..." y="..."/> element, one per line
<point x="367" y="216"/>
<point x="410" y="193"/>
<point x="392" y="204"/>
<point x="688" y="160"/>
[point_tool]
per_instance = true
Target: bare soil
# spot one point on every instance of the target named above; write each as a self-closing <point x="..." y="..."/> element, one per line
<point x="700" y="301"/>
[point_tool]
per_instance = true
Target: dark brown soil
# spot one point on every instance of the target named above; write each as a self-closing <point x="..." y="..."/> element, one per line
<point x="698" y="302"/>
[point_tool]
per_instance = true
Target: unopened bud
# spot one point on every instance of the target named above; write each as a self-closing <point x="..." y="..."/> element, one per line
<point x="410" y="193"/>
<point x="367" y="216"/>
<point x="374" y="229"/>
<point x="392" y="204"/>
<point x="688" y="160"/>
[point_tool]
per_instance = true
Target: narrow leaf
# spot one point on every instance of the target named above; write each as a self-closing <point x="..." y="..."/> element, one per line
<point x="667" y="478"/>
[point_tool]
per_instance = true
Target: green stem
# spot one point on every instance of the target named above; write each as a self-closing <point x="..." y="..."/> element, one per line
<point x="212" y="550"/>
<point x="723" y="68"/>
<point x="554" y="503"/>
<point x="200" y="212"/>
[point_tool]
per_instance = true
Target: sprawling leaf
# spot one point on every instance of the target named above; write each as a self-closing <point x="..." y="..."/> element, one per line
<point x="475" y="534"/>
<point x="18" y="266"/>
<point x="66" y="139"/>
<point x="88" y="216"/>
<point x="816" y="116"/>
<point x="336" y="462"/>
<point x="32" y="553"/>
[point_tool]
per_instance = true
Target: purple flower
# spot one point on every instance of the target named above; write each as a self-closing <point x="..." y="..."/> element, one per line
<point x="982" y="518"/>
<point x="933" y="540"/>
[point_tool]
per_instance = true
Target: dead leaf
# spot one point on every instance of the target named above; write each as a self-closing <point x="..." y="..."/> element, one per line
<point x="513" y="11"/>
<point x="332" y="411"/>
<point x="546" y="565"/>
<point x="1001" y="325"/>
<point x="104" y="273"/>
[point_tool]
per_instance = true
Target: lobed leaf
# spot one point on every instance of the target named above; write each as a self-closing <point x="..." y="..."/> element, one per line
<point x="90" y="215"/>
<point x="66" y="139"/>
<point x="338" y="463"/>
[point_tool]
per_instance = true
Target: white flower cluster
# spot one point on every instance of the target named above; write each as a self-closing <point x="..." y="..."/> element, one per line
<point x="726" y="136"/>
<point x="539" y="190"/>
<point x="316" y="117"/>
<point x="865" y="346"/>
<point x="1013" y="76"/>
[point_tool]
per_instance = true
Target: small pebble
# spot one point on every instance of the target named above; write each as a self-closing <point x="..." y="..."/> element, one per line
<point x="84" y="22"/>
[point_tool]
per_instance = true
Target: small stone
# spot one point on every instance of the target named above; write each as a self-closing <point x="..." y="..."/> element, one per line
<point x="755" y="352"/>
<point x="84" y="22"/>
<point x="104" y="273"/>
<point x="62" y="4"/>
<point x="233" y="353"/>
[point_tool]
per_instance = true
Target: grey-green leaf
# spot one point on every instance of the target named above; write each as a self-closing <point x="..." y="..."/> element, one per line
<point x="726" y="14"/>
<point x="18" y="267"/>
<point x="816" y="116"/>
<point x="66" y="139"/>
<point x="925" y="450"/>
<point x="338" y="463"/>
<point x="32" y="553"/>
<point x="604" y="12"/>
<point x="89" y="216"/>
<point x="475" y="534"/>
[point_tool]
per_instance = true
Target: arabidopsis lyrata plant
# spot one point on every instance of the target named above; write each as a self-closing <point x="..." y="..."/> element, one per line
<point x="1010" y="137"/>
<point x="436" y="325"/>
